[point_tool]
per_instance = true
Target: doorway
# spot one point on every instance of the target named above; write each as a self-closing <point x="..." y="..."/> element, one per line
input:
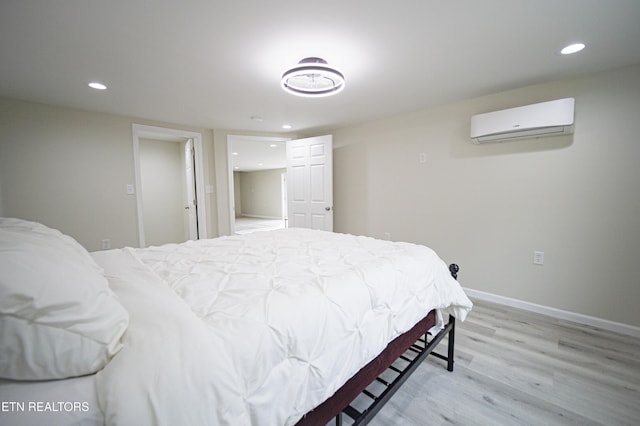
<point x="310" y="182"/>
<point x="163" y="217"/>
<point x="255" y="165"/>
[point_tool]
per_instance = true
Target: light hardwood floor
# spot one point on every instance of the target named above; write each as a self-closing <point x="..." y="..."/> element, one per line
<point x="246" y="225"/>
<point x="519" y="368"/>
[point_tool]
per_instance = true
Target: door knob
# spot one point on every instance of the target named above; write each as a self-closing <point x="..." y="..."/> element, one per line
<point x="327" y="208"/>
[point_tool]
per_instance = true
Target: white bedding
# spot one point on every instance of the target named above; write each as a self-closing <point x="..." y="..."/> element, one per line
<point x="248" y="330"/>
<point x="51" y="403"/>
<point x="262" y="328"/>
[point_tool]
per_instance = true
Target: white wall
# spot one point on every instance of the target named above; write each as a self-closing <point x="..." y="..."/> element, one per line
<point x="69" y="169"/>
<point x="489" y="207"/>
<point x="162" y="171"/>
<point x="261" y="193"/>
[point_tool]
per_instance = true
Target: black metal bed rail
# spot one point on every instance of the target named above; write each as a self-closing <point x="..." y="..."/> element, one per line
<point x="422" y="348"/>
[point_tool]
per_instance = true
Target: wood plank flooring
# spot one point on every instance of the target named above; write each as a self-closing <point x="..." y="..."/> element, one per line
<point x="246" y="225"/>
<point x="515" y="367"/>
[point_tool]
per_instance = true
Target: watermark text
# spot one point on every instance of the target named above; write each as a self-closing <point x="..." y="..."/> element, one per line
<point x="44" y="406"/>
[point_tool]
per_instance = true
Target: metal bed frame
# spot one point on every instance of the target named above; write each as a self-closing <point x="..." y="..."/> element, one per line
<point x="389" y="371"/>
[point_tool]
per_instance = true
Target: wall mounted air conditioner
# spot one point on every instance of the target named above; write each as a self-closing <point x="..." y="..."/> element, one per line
<point x="531" y="121"/>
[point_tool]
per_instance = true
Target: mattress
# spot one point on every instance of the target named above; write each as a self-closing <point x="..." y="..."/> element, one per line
<point x="261" y="328"/>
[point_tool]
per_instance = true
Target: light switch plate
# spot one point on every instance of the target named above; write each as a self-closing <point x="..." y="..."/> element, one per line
<point x="538" y="257"/>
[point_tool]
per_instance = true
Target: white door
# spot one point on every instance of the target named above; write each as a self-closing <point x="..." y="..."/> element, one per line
<point x="310" y="183"/>
<point x="191" y="202"/>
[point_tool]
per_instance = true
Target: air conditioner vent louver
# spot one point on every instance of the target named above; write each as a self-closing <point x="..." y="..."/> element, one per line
<point x="531" y="121"/>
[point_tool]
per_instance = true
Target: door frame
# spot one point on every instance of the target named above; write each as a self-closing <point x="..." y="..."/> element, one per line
<point x="162" y="133"/>
<point x="230" y="189"/>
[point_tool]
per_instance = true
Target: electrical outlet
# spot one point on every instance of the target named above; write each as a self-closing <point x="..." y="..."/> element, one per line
<point x="538" y="257"/>
<point x="130" y="189"/>
<point x="422" y="158"/>
<point x="387" y="236"/>
<point x="106" y="244"/>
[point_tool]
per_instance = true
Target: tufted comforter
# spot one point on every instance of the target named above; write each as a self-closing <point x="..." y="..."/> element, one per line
<point x="262" y="328"/>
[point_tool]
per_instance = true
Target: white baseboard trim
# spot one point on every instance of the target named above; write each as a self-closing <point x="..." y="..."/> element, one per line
<point x="253" y="216"/>
<point x="604" y="324"/>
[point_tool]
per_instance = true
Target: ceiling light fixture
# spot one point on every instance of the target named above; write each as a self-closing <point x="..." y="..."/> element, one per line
<point x="572" y="48"/>
<point x="286" y="126"/>
<point x="312" y="77"/>
<point x="98" y="86"/>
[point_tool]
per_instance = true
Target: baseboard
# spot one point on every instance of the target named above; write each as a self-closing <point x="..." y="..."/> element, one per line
<point x="253" y="216"/>
<point x="616" y="327"/>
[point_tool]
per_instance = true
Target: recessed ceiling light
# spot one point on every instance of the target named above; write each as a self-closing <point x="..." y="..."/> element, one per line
<point x="98" y="86"/>
<point x="572" y="48"/>
<point x="273" y="145"/>
<point x="286" y="126"/>
<point x="234" y="153"/>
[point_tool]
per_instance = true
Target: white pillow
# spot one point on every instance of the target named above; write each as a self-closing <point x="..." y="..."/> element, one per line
<point x="58" y="317"/>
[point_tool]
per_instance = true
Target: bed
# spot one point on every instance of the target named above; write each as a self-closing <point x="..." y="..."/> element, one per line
<point x="274" y="328"/>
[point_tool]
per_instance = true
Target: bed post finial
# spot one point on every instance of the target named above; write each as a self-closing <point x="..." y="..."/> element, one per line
<point x="453" y="268"/>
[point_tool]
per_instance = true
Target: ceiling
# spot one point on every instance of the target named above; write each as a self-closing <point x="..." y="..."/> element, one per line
<point x="251" y="153"/>
<point x="215" y="63"/>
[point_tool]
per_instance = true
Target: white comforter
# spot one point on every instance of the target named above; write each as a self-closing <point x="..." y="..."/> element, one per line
<point x="262" y="328"/>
